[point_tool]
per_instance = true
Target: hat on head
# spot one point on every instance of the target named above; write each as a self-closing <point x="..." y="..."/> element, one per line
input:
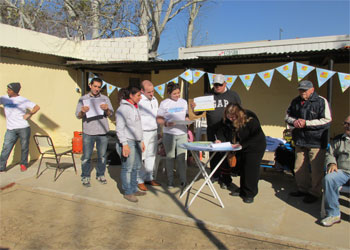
<point x="15" y="86"/>
<point x="305" y="85"/>
<point x="219" y="79"/>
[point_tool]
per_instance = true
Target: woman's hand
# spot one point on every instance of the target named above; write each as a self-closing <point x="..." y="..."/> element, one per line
<point x="126" y="151"/>
<point x="217" y="141"/>
<point x="143" y="147"/>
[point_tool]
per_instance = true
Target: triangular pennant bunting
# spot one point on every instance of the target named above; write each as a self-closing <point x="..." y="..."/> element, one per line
<point x="103" y="84"/>
<point x="110" y="89"/>
<point x="230" y="80"/>
<point x="160" y="89"/>
<point x="247" y="80"/>
<point x="197" y="74"/>
<point x="266" y="76"/>
<point x="211" y="79"/>
<point x="174" y="80"/>
<point x="323" y="75"/>
<point x="118" y="88"/>
<point x="344" y="80"/>
<point x="303" y="70"/>
<point x="187" y="76"/>
<point x="286" y="70"/>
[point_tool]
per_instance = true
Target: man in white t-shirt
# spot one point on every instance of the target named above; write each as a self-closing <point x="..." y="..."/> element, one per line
<point x="148" y="111"/>
<point x="17" y="111"/>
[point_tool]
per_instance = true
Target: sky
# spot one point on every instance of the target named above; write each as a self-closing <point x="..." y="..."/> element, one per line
<point x="234" y="21"/>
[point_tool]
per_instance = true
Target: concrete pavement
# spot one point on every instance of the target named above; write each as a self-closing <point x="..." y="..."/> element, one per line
<point x="274" y="215"/>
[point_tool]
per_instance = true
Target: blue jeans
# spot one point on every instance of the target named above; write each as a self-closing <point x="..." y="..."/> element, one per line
<point x="332" y="182"/>
<point x="10" y="140"/>
<point x="88" y="147"/>
<point x="131" y="165"/>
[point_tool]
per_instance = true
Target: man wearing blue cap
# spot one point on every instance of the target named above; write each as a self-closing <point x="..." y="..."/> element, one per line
<point x="17" y="111"/>
<point x="310" y="117"/>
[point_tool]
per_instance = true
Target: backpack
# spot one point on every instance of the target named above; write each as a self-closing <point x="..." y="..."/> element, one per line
<point x="285" y="156"/>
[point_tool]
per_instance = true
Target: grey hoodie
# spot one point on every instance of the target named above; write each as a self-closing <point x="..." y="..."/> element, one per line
<point x="128" y="121"/>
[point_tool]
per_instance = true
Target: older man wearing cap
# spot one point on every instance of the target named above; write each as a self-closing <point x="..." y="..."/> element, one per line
<point x="309" y="116"/>
<point x="17" y="111"/>
<point x="222" y="97"/>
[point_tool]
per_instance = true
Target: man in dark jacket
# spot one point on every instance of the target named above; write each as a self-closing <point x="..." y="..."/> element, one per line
<point x="310" y="117"/>
<point x="222" y="97"/>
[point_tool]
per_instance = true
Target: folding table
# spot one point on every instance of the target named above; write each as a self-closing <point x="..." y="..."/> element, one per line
<point x="194" y="148"/>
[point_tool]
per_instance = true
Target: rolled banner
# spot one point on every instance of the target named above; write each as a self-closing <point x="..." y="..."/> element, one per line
<point x="303" y="70"/>
<point x="197" y="74"/>
<point x="230" y="80"/>
<point x="266" y="76"/>
<point x="247" y="80"/>
<point x="323" y="75"/>
<point x="187" y="76"/>
<point x="344" y="80"/>
<point x="160" y="89"/>
<point x="286" y="70"/>
<point x="110" y="89"/>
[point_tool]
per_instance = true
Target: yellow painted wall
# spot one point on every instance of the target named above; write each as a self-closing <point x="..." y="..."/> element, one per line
<point x="50" y="87"/>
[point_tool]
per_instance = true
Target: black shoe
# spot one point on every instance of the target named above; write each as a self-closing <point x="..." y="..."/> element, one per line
<point x="248" y="200"/>
<point x="214" y="179"/>
<point x="298" y="194"/>
<point x="310" y="199"/>
<point x="225" y="186"/>
<point x="235" y="192"/>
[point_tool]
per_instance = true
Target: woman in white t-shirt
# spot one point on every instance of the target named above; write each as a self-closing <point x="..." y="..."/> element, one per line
<point x="173" y="109"/>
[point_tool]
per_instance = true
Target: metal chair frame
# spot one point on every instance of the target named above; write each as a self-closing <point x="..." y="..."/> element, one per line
<point x="52" y="151"/>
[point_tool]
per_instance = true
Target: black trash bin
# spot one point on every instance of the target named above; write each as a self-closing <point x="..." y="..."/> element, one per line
<point x="112" y="155"/>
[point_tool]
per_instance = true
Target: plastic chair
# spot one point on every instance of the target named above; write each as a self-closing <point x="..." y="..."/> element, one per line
<point x="46" y="147"/>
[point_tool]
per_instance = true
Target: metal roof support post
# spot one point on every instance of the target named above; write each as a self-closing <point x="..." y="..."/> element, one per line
<point x="330" y="88"/>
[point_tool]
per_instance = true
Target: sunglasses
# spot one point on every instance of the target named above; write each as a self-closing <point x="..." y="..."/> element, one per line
<point x="218" y="85"/>
<point x="347" y="123"/>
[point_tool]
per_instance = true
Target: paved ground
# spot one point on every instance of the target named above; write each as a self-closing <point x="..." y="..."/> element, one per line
<point x="62" y="214"/>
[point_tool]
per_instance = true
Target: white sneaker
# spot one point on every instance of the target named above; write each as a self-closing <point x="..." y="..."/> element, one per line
<point x="330" y="220"/>
<point x="86" y="181"/>
<point x="101" y="179"/>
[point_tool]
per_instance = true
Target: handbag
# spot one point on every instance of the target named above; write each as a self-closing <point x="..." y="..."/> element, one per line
<point x="231" y="157"/>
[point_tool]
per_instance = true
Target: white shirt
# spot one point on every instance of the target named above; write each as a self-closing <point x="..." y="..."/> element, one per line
<point x="15" y="109"/>
<point x="171" y="111"/>
<point x="148" y="111"/>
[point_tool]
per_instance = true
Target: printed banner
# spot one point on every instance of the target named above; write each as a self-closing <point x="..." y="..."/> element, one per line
<point x="247" y="80"/>
<point x="211" y="79"/>
<point x="266" y="76"/>
<point x="110" y="89"/>
<point x="174" y="80"/>
<point x="197" y="74"/>
<point x="160" y="89"/>
<point x="344" y="80"/>
<point x="303" y="70"/>
<point x="286" y="70"/>
<point x="230" y="80"/>
<point x="323" y="75"/>
<point x="187" y="76"/>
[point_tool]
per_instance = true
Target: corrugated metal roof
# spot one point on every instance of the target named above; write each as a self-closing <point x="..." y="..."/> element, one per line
<point x="314" y="57"/>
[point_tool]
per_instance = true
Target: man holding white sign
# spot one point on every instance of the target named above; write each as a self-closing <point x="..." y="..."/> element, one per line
<point x="94" y="108"/>
<point x="222" y="97"/>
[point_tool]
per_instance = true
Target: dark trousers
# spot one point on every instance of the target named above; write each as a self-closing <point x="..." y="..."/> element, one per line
<point x="250" y="173"/>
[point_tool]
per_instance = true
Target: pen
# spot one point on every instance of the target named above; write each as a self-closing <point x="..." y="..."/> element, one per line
<point x="215" y="137"/>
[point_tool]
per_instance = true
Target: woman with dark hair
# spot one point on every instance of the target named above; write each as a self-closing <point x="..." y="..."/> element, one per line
<point x="172" y="109"/>
<point x="130" y="140"/>
<point x="243" y="126"/>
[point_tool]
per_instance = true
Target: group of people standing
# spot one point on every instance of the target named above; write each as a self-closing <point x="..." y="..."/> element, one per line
<point x="138" y="121"/>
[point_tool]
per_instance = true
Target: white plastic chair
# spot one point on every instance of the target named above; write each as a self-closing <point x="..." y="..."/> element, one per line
<point x="46" y="147"/>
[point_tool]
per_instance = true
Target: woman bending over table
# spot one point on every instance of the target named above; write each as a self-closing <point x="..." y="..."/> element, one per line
<point x="243" y="126"/>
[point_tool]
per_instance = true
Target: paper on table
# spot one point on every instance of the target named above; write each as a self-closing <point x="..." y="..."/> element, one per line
<point x="208" y="146"/>
<point x="182" y="122"/>
<point x="94" y="107"/>
<point x="204" y="103"/>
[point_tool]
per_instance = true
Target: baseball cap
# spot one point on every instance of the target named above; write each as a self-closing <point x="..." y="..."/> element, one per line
<point x="219" y="79"/>
<point x="305" y="85"/>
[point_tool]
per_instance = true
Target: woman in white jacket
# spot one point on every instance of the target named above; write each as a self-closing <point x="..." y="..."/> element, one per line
<point x="130" y="140"/>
